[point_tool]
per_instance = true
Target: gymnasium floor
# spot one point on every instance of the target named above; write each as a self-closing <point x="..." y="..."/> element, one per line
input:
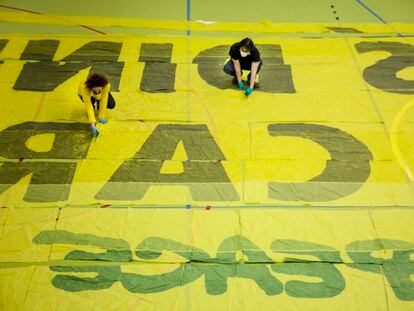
<point x="195" y="196"/>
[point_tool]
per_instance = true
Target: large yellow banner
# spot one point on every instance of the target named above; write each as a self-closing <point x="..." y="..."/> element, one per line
<point x="196" y="197"/>
<point x="155" y="259"/>
<point x="329" y="125"/>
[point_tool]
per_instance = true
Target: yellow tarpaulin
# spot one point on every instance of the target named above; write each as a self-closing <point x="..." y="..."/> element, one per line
<point x="173" y="259"/>
<point x="196" y="197"/>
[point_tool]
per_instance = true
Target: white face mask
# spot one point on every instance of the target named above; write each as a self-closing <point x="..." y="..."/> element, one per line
<point x="244" y="54"/>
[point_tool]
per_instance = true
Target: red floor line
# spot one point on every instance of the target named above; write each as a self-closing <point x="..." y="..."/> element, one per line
<point x="39" y="13"/>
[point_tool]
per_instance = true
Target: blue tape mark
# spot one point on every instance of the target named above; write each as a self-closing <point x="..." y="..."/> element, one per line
<point x="375" y="14"/>
<point x="188" y="206"/>
<point x="188" y="15"/>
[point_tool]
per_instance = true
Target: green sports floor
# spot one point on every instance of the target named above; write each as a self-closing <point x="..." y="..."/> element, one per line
<point x="318" y="11"/>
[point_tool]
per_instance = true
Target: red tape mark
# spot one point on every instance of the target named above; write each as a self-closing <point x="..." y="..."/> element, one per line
<point x="105" y="205"/>
<point x="40" y="13"/>
<point x="208" y="208"/>
<point x="18" y="9"/>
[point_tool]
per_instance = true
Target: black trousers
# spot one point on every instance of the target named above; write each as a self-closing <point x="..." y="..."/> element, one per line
<point x="229" y="68"/>
<point x="110" y="105"/>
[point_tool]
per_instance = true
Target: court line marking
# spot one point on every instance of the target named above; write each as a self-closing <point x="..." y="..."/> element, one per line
<point x="377" y="16"/>
<point x="188" y="16"/>
<point x="57" y="18"/>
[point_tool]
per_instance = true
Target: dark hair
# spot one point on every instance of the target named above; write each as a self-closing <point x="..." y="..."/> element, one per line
<point x="247" y="43"/>
<point x="96" y="79"/>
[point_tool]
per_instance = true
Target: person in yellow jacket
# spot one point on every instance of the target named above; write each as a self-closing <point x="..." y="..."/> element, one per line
<point x="96" y="90"/>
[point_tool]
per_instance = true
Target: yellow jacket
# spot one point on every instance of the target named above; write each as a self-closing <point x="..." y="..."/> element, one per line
<point x="102" y="97"/>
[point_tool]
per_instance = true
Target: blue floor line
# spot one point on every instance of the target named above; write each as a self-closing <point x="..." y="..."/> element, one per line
<point x="376" y="15"/>
<point x="188" y="15"/>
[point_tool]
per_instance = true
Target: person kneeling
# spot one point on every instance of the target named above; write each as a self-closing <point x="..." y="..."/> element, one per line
<point x="244" y="56"/>
<point x="95" y="94"/>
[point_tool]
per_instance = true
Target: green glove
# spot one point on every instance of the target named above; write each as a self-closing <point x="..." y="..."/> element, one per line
<point x="95" y="131"/>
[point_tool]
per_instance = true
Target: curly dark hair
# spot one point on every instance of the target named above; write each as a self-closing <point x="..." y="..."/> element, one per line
<point x="96" y="79"/>
<point x="247" y="43"/>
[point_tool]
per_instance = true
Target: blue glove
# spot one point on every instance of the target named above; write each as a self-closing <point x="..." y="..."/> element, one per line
<point x="241" y="85"/>
<point x="95" y="131"/>
<point x="102" y="120"/>
<point x="248" y="91"/>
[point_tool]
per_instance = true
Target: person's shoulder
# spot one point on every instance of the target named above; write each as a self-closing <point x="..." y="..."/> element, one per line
<point x="255" y="53"/>
<point x="107" y="87"/>
<point x="235" y="46"/>
<point x="234" y="50"/>
<point x="82" y="87"/>
<point x="255" y="50"/>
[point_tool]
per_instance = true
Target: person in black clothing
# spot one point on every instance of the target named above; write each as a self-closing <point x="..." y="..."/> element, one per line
<point x="244" y="56"/>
